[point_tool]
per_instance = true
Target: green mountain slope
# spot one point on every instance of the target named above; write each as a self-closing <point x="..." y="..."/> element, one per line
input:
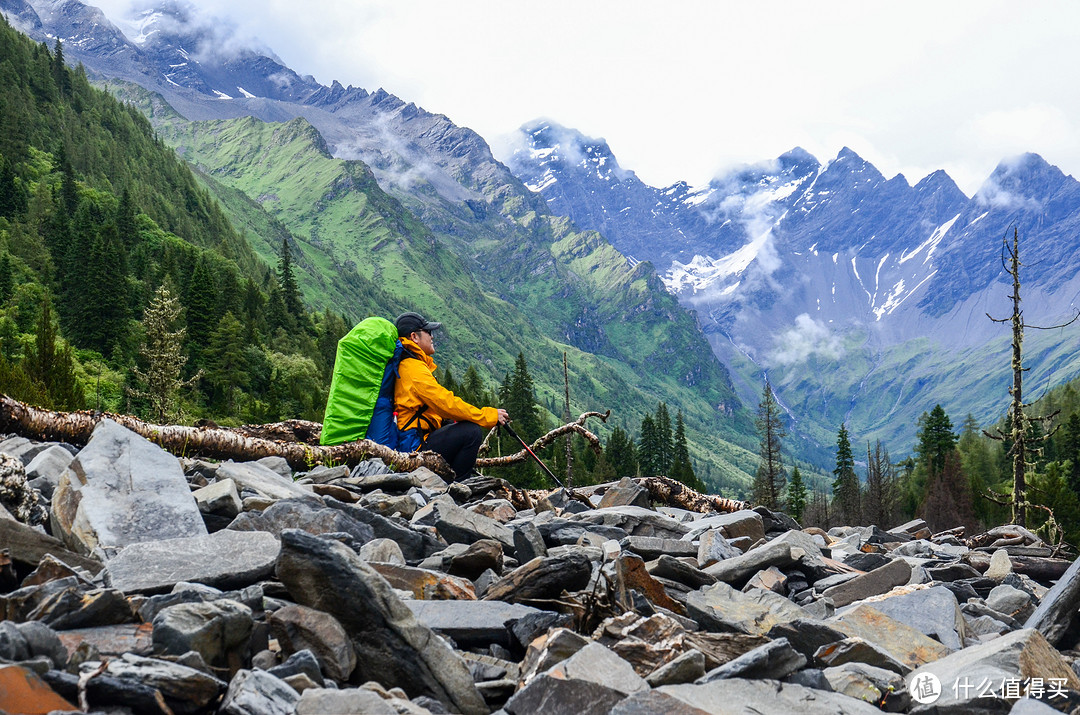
<point x="542" y="296"/>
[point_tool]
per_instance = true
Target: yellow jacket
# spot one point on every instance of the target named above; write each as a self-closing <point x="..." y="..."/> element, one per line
<point x="416" y="386"/>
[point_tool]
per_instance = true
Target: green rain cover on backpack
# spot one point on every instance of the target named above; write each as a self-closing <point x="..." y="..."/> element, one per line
<point x="358" y="372"/>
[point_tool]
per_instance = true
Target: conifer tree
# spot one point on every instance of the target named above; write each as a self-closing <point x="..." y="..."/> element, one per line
<point x="225" y="360"/>
<point x="52" y="368"/>
<point x="517" y="396"/>
<point x="13" y="199"/>
<point x="7" y="278"/>
<point x="665" y="440"/>
<point x="60" y="73"/>
<point x="200" y="308"/>
<point x="126" y="228"/>
<point x="290" y="290"/>
<point x="472" y="388"/>
<point x="846" y="507"/>
<point x="620" y="454"/>
<point x="681" y="468"/>
<point x="770" y="478"/>
<point x="69" y="192"/>
<point x="796" y="495"/>
<point x="936" y="439"/>
<point x="163" y="355"/>
<point x="881" y="498"/>
<point x="649" y="447"/>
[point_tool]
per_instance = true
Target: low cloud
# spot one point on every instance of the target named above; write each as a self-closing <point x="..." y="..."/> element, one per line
<point x="993" y="195"/>
<point x="807" y="337"/>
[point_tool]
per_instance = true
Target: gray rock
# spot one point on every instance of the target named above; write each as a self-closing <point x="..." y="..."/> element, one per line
<point x="714" y="547"/>
<point x="184" y="689"/>
<point x="597" y="664"/>
<point x="554" y="696"/>
<point x="471" y="623"/>
<point x="304" y="514"/>
<point x="458" y="525"/>
<point x="298" y="628"/>
<point x="933" y="611"/>
<point x="866" y="682"/>
<point x="322" y="475"/>
<point x="370" y="467"/>
<point x="263" y="480"/>
<point x="219" y="498"/>
<point x="257" y="692"/>
<point x="872" y="583"/>
<point x="1000" y="565"/>
<point x="42" y="641"/>
<point x="219" y="631"/>
<point x="739" y="524"/>
<point x="1011" y="601"/>
<point x="857" y="650"/>
<point x="1027" y="706"/>
<point x="736" y="570"/>
<point x="1057" y="609"/>
<point x="384" y="551"/>
<point x="806" y="635"/>
<point x="774" y="660"/>
<point x="651" y="547"/>
<point x="526" y="629"/>
<point x="652" y="702"/>
<point x="738" y="696"/>
<point x="392" y="647"/>
<point x="952" y="572"/>
<point x="635" y="521"/>
<point x="44" y="470"/>
<point x="685" y="668"/>
<point x="721" y="608"/>
<point x="353" y="701"/>
<point x="543" y="578"/>
<point x="226" y="559"/>
<point x="415" y="545"/>
<point x="302" y="662"/>
<point x="626" y="493"/>
<point x="678" y="570"/>
<point x="528" y="542"/>
<point x="121" y="490"/>
<point x="278" y="465"/>
<point x="13" y="645"/>
<point x="866" y="561"/>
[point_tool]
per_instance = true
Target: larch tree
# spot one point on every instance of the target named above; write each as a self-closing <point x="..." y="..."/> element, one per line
<point x="881" y="499"/>
<point x="163" y="355"/>
<point x="770" y="478"/>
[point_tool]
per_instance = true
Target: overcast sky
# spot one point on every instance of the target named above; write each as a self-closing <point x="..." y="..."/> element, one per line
<point x="681" y="90"/>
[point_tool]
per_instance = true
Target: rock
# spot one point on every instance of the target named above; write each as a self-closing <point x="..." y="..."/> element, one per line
<point x="933" y="611"/>
<point x="722" y="609"/>
<point x="635" y="521"/>
<point x="806" y="635"/>
<point x="652" y="547"/>
<point x="259" y="478"/>
<point x="543" y="578"/>
<point x="257" y="692"/>
<point x="425" y="584"/>
<point x="528" y="542"/>
<point x="472" y="623"/>
<point x="185" y="689"/>
<point x="714" y="547"/>
<point x="28" y="546"/>
<point x="685" y="668"/>
<point x="1000" y="565"/>
<point x="1011" y="601"/>
<point x="122" y="489"/>
<point x="626" y="493"/>
<point x="737" y="696"/>
<point x="771" y="579"/>
<point x="219" y="631"/>
<point x="866" y="682"/>
<point x="278" y="465"/>
<point x="738" y="524"/>
<point x="477" y="558"/>
<point x="1057" y="609"/>
<point x="298" y="628"/>
<point x="384" y="551"/>
<point x="500" y="510"/>
<point x="41" y="640"/>
<point x="678" y="570"/>
<point x="526" y="629"/>
<point x="916" y="529"/>
<point x="654" y="703"/>
<point x="109" y="641"/>
<point x="549" y="649"/>
<point x="774" y="660"/>
<point x="1017" y="655"/>
<point x="907" y="645"/>
<point x="225" y="559"/>
<point x="857" y="650"/>
<point x="952" y="572"/>
<point x="458" y="525"/>
<point x="739" y="568"/>
<point x="553" y="696"/>
<point x="302" y="662"/>
<point x="563" y="532"/>
<point x="596" y="664"/>
<point x="304" y="514"/>
<point x="219" y="498"/>
<point x="895" y="573"/>
<point x="44" y="470"/>
<point x="353" y="701"/>
<point x="866" y="561"/>
<point x="23" y="691"/>
<point x="66" y="603"/>
<point x="629" y="573"/>
<point x="415" y="545"/>
<point x="392" y="647"/>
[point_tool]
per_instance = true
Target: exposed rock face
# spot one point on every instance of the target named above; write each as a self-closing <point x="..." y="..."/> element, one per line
<point x="121" y="490"/>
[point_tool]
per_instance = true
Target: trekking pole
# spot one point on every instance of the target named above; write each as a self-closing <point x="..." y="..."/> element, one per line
<point x="532" y="454"/>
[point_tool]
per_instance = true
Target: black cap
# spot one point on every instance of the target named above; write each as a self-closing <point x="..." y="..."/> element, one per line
<point x="409" y="323"/>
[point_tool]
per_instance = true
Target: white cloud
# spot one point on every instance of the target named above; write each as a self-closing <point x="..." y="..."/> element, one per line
<point x="807" y="337"/>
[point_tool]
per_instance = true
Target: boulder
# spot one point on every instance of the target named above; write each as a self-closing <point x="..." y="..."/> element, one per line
<point x="304" y="514"/>
<point x="122" y="489"/>
<point x="738" y="524"/>
<point x="220" y="498"/>
<point x="626" y="493"/>
<point x="225" y="559"/>
<point x="714" y="547"/>
<point x="425" y="584"/>
<point x="257" y="692"/>
<point x="652" y="547"/>
<point x="44" y="470"/>
<point x="895" y="573"/>
<point x="219" y="631"/>
<point x="933" y="611"/>
<point x="185" y="689"/>
<point x="774" y="660"/>
<point x="392" y="647"/>
<point x="722" y="609"/>
<point x="1000" y="565"/>
<point x="856" y="650"/>
<point x="351" y="701"/>
<point x="528" y="542"/>
<point x="685" y="668"/>
<point x="739" y="568"/>
<point x="1057" y="609"/>
<point x="866" y="682"/>
<point x="909" y="646"/>
<point x="635" y="521"/>
<point x="737" y="696"/>
<point x="596" y="664"/>
<point x="472" y="623"/>
<point x="23" y="691"/>
<point x="552" y="695"/>
<point x="543" y="578"/>
<point x="298" y="628"/>
<point x="458" y="525"/>
<point x="384" y="551"/>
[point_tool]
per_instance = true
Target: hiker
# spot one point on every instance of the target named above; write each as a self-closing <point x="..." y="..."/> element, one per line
<point x="448" y="424"/>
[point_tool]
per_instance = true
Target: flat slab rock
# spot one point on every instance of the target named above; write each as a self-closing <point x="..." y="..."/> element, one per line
<point x="225" y="559"/>
<point x="122" y="489"/>
<point x="738" y="696"/>
<point x="465" y="622"/>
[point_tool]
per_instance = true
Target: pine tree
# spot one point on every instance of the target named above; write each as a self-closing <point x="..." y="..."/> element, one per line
<point x="225" y="360"/>
<point x="681" y="468"/>
<point x="665" y="440"/>
<point x="620" y="454"/>
<point x="126" y="227"/>
<point x="936" y="439"/>
<point x="290" y="290"/>
<point x="13" y="199"/>
<point x="517" y="397"/>
<point x="200" y="308"/>
<point x="845" y="486"/>
<point x="881" y="497"/>
<point x="52" y="368"/>
<point x="770" y="478"/>
<point x="796" y="495"/>
<point x="60" y="72"/>
<point x="162" y="353"/>
<point x="472" y="388"/>
<point x="7" y="278"/>
<point x="649" y="447"/>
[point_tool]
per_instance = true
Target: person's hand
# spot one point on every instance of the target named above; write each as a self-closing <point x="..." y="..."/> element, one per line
<point x="504" y="416"/>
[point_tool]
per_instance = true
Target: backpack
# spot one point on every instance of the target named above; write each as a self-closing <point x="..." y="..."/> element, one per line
<point x="360" y="404"/>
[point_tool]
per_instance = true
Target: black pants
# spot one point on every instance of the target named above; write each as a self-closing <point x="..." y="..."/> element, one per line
<point x="458" y="444"/>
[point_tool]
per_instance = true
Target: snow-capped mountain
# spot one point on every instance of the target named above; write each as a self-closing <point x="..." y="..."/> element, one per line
<point x="863" y="298"/>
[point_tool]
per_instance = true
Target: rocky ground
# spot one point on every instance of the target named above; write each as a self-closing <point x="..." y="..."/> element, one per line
<point x="163" y="585"/>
